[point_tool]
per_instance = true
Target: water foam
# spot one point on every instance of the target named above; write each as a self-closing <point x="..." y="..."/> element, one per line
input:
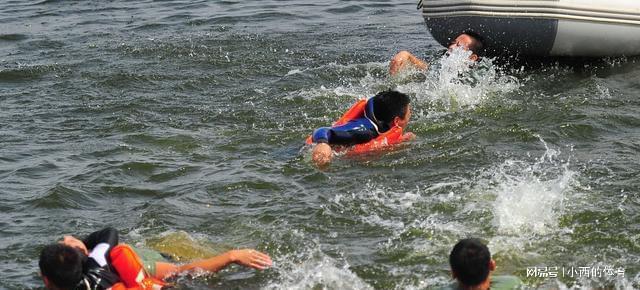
<point x="530" y="197"/>
<point x="385" y="206"/>
<point x="312" y="269"/>
<point x="606" y="277"/>
<point x="358" y="80"/>
<point x="450" y="83"/>
<point x="455" y="82"/>
<point x="401" y="213"/>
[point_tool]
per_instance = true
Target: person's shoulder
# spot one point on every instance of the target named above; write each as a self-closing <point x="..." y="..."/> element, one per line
<point x="453" y="285"/>
<point x="497" y="283"/>
<point x="506" y="282"/>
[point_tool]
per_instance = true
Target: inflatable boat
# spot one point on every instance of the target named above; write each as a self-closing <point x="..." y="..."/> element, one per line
<point x="589" y="28"/>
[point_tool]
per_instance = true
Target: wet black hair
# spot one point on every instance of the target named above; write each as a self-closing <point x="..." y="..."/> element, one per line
<point x="469" y="261"/>
<point x="62" y="265"/>
<point x="390" y="104"/>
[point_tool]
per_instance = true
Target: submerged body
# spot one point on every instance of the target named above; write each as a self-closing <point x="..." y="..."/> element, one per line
<point x="100" y="262"/>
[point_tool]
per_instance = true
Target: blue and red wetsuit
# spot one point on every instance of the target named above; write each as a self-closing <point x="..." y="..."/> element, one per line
<point x="356" y="131"/>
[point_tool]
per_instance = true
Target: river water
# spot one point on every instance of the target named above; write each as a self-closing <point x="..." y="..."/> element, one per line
<point x="161" y="117"/>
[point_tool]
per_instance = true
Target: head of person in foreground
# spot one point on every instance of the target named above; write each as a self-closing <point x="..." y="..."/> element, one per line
<point x="61" y="266"/>
<point x="471" y="264"/>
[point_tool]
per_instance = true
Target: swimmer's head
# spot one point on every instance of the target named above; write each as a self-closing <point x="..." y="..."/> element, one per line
<point x="468" y="41"/>
<point x="392" y="108"/>
<point x="471" y="262"/>
<point x="61" y="266"/>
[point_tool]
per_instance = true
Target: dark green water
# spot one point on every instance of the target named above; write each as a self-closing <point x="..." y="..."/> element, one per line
<point x="159" y="117"/>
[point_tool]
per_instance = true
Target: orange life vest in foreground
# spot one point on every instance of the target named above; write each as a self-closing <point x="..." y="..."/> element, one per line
<point x="391" y="137"/>
<point x="131" y="270"/>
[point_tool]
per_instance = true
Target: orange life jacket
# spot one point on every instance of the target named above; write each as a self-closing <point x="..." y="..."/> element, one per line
<point x="131" y="270"/>
<point x="390" y="137"/>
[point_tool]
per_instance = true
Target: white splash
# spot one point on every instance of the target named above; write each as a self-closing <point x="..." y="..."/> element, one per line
<point x="455" y="82"/>
<point x="315" y="271"/>
<point x="530" y="197"/>
<point x="384" y="205"/>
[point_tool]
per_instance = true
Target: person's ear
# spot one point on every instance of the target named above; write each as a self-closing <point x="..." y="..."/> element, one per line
<point x="474" y="57"/>
<point x="396" y="121"/>
<point x="492" y="265"/>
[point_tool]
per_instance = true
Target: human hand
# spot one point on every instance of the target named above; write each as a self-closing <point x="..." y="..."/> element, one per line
<point x="251" y="258"/>
<point x="404" y="59"/>
<point x="408" y="136"/>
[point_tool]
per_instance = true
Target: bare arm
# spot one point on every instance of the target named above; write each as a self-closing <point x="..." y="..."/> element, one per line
<point x="245" y="257"/>
<point x="404" y="58"/>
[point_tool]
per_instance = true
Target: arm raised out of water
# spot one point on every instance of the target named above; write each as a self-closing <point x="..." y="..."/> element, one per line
<point x="404" y="59"/>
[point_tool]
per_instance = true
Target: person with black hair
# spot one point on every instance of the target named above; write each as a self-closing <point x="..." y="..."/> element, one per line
<point x="471" y="264"/>
<point x="386" y="110"/>
<point x="60" y="266"/>
<point x="74" y="264"/>
<point x="472" y="267"/>
<point x="467" y="41"/>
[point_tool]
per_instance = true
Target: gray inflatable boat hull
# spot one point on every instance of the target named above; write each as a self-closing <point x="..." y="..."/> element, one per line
<point x="529" y="27"/>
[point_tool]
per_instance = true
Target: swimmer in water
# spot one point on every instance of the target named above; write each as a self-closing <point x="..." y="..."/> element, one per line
<point x="404" y="59"/>
<point x="472" y="268"/>
<point x="85" y="264"/>
<point x="383" y="111"/>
